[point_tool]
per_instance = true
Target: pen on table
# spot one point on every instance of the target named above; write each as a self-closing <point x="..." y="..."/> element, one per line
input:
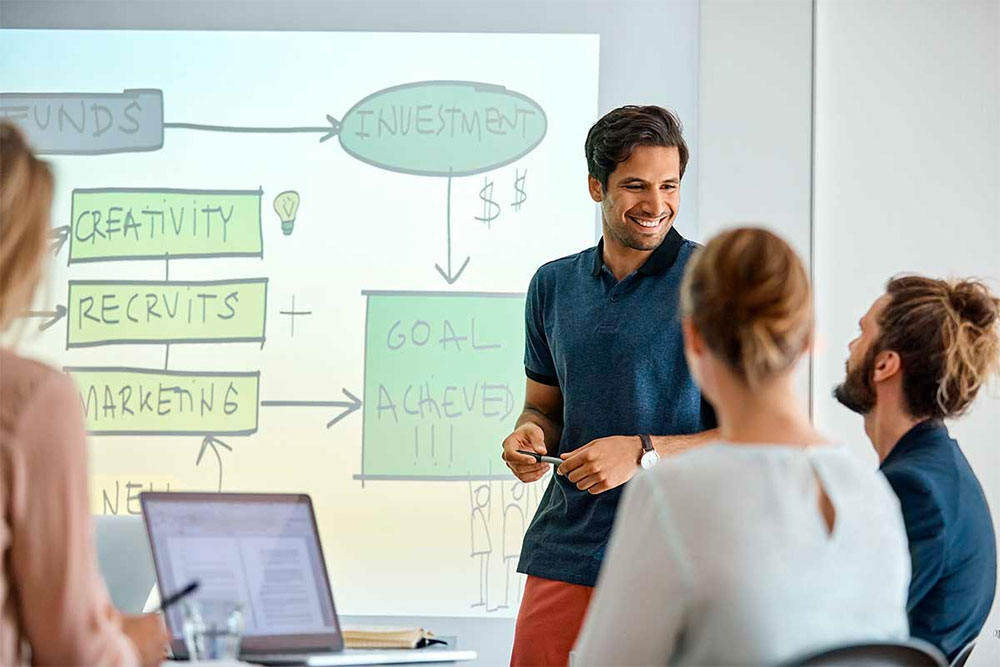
<point x="541" y="458"/>
<point x="179" y="595"/>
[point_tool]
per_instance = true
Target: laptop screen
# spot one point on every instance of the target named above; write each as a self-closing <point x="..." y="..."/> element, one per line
<point x="262" y="550"/>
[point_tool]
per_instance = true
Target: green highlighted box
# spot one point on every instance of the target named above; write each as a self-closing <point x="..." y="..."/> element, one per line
<point x="111" y="312"/>
<point x="138" y="401"/>
<point x="136" y="223"/>
<point x="444" y="383"/>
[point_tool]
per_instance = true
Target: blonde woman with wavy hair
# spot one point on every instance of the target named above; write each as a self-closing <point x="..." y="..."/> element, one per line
<point x="925" y="349"/>
<point x="54" y="608"/>
<point x="770" y="542"/>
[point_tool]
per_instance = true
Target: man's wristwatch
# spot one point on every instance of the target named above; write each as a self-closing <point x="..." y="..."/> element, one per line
<point x="649" y="456"/>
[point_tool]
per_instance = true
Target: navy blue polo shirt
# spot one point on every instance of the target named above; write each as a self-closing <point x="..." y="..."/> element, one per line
<point x="616" y="351"/>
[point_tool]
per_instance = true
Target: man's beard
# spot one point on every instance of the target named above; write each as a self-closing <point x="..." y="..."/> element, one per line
<point x="629" y="239"/>
<point x="856" y="392"/>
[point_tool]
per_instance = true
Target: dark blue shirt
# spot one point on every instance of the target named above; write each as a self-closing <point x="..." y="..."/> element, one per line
<point x="616" y="352"/>
<point x="952" y="544"/>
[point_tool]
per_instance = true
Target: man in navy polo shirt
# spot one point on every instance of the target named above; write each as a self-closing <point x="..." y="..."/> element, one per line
<point x="608" y="388"/>
<point x="924" y="349"/>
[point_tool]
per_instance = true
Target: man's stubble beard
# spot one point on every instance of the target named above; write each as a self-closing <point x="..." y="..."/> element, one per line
<point x="856" y="393"/>
<point x="622" y="236"/>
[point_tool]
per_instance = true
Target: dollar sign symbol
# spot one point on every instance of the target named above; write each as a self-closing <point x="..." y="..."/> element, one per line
<point x="519" y="189"/>
<point x="486" y="194"/>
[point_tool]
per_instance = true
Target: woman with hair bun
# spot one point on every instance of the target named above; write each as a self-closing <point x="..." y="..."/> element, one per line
<point x="926" y="347"/>
<point x="771" y="542"/>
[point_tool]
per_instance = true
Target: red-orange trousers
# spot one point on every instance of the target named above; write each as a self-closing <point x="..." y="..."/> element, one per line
<point x="548" y="622"/>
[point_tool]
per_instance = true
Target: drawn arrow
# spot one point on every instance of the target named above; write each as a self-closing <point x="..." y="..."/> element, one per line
<point x="59" y="236"/>
<point x="349" y="406"/>
<point x="212" y="441"/>
<point x="54" y="315"/>
<point x="448" y="276"/>
<point x="331" y="130"/>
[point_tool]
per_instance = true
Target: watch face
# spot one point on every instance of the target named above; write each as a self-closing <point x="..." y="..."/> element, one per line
<point x="649" y="459"/>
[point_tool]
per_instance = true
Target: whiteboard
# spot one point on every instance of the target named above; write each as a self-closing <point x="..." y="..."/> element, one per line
<point x="296" y="262"/>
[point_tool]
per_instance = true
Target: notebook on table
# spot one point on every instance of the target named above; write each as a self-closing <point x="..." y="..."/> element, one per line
<point x="379" y="636"/>
<point x="262" y="550"/>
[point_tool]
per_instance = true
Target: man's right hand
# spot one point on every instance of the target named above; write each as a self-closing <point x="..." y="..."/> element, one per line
<point x="528" y="436"/>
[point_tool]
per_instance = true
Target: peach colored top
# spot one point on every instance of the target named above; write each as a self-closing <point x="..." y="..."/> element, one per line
<point x="54" y="607"/>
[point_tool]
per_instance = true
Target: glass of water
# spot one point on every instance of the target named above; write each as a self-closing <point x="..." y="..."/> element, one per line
<point x="212" y="629"/>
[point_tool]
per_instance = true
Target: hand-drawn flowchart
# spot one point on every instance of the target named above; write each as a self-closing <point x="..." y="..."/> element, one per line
<point x="441" y="369"/>
<point x="447" y="129"/>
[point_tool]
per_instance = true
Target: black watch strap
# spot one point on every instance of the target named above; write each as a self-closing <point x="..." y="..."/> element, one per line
<point x="647" y="442"/>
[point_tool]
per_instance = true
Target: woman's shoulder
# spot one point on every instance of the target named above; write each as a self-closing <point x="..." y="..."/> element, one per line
<point x="719" y="459"/>
<point x="707" y="473"/>
<point x="20" y="376"/>
<point x="847" y="465"/>
<point x="727" y="468"/>
<point x="23" y="381"/>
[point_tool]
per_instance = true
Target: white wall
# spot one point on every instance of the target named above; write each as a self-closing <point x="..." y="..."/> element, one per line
<point x="755" y="99"/>
<point x="755" y="122"/>
<point x="907" y="180"/>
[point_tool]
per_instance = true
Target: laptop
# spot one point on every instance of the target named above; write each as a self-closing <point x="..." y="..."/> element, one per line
<point x="123" y="555"/>
<point x="263" y="550"/>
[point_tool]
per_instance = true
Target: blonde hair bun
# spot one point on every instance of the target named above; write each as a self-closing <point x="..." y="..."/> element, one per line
<point x="748" y="295"/>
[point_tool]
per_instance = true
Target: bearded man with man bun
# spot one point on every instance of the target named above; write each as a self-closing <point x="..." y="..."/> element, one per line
<point x="926" y="347"/>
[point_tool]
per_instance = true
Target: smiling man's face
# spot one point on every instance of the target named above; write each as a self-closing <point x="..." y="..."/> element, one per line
<point x="641" y="198"/>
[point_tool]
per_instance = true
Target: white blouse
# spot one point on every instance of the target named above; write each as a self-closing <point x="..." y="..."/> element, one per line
<point x="721" y="556"/>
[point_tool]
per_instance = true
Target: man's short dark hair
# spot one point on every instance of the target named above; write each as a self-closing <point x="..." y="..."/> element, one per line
<point x="614" y="138"/>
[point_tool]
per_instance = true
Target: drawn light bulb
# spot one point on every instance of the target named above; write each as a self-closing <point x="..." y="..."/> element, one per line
<point x="287" y="205"/>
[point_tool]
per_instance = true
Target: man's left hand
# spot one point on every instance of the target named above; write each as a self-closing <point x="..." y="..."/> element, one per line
<point x="602" y="464"/>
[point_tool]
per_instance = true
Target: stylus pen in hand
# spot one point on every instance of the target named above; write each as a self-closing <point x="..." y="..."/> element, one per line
<point x="540" y="458"/>
<point x="179" y="595"/>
